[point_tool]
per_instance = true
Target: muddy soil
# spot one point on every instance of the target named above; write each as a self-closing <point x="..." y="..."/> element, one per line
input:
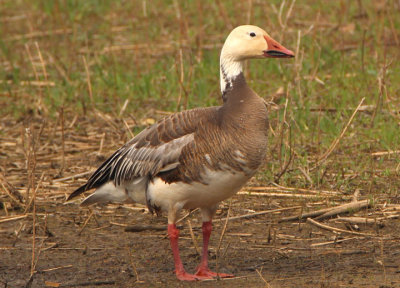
<point x="75" y="249"/>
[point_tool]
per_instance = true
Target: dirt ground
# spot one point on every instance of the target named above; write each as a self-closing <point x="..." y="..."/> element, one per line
<point x="76" y="247"/>
<point x="102" y="254"/>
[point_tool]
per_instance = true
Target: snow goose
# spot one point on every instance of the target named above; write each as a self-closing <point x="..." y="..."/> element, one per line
<point x="195" y="158"/>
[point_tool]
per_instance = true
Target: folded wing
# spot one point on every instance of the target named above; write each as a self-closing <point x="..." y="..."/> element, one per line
<point x="156" y="149"/>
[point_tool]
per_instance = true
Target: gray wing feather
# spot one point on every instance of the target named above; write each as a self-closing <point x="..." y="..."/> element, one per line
<point x="154" y="150"/>
<point x="130" y="162"/>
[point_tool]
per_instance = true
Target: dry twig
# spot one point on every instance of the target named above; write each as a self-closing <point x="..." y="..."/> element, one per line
<point x="327" y="212"/>
<point x="358" y="220"/>
<point x="222" y="235"/>
<point x="263" y="279"/>
<point x="89" y="84"/>
<point x="86" y="222"/>
<point x="345" y="208"/>
<point x="12" y="218"/>
<point x="193" y="238"/>
<point x="133" y="265"/>
<point x="336" y="230"/>
<point x="328" y="152"/>
<point x="333" y="242"/>
<point x="251" y="215"/>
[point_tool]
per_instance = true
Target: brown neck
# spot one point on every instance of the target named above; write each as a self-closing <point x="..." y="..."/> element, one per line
<point x="239" y="97"/>
<point x="235" y="90"/>
<point x="242" y="106"/>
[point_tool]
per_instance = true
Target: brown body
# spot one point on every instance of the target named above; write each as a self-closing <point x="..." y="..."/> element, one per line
<point x="230" y="138"/>
<point x="240" y="125"/>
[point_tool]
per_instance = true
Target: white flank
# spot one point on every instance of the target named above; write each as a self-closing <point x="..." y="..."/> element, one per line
<point x="106" y="193"/>
<point x="137" y="190"/>
<point x="221" y="185"/>
<point x="119" y="194"/>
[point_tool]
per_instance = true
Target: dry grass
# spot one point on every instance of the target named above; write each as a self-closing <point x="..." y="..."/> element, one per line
<point x="77" y="80"/>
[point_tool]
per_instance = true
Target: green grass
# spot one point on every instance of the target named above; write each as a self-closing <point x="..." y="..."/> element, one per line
<point x="342" y="52"/>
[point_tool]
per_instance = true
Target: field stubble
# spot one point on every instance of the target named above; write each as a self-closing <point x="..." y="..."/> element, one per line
<point x="80" y="79"/>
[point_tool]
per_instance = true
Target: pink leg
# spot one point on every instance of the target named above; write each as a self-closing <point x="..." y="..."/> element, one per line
<point x="180" y="272"/>
<point x="203" y="269"/>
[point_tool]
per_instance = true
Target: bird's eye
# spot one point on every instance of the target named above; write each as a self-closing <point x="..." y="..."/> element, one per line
<point x="252" y="34"/>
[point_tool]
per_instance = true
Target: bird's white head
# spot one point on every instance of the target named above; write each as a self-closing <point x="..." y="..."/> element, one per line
<point x="247" y="42"/>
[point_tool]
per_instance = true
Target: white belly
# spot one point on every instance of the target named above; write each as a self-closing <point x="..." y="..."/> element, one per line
<point x="221" y="185"/>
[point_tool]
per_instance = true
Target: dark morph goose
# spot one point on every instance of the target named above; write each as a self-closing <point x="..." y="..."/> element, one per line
<point x="195" y="158"/>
